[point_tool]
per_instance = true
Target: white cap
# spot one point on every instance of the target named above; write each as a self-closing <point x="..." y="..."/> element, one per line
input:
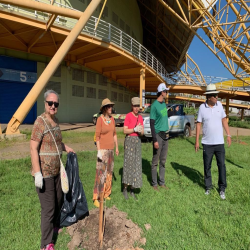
<point x="211" y="89"/>
<point x="162" y="87"/>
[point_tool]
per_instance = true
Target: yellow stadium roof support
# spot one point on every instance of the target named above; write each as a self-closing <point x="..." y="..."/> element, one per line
<point x="26" y="105"/>
<point x="229" y="35"/>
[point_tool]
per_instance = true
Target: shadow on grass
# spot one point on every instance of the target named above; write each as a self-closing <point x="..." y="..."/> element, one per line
<point x="192" y="174"/>
<point x="238" y="166"/>
<point x="146" y="169"/>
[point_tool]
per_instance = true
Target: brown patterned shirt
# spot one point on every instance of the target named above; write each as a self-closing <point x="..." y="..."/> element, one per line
<point x="48" y="155"/>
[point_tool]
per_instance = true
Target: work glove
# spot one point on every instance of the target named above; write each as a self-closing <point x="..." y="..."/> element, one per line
<point x="99" y="154"/>
<point x="138" y="128"/>
<point x="39" y="180"/>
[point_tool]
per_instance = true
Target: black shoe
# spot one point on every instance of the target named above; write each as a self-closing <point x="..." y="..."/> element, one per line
<point x="125" y="193"/>
<point x="133" y="195"/>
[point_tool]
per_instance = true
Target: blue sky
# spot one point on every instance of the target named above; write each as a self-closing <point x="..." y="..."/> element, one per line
<point x="208" y="63"/>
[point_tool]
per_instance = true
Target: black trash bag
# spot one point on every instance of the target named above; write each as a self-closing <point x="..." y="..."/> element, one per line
<point x="75" y="206"/>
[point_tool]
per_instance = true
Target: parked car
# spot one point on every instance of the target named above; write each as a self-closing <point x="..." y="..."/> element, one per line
<point x="119" y="118"/>
<point x="178" y="121"/>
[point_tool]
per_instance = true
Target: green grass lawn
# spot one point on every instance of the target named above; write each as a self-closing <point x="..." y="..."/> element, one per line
<point x="181" y="218"/>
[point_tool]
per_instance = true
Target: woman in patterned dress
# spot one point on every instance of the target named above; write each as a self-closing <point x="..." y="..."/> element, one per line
<point x="106" y="138"/>
<point x="132" y="168"/>
<point x="46" y="167"/>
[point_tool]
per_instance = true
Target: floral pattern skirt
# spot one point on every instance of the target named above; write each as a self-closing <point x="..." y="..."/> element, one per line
<point x="104" y="173"/>
<point x="132" y="167"/>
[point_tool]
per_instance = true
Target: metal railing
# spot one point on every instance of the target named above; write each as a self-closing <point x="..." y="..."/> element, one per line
<point x="109" y="33"/>
<point x="104" y="31"/>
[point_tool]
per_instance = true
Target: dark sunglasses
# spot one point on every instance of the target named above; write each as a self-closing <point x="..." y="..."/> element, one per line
<point x="136" y="106"/>
<point x="50" y="103"/>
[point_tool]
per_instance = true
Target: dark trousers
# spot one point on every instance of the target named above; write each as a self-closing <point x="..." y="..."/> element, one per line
<point x="208" y="152"/>
<point x="159" y="154"/>
<point x="50" y="197"/>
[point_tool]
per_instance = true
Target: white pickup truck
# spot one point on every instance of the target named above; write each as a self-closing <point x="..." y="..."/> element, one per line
<point x="178" y="122"/>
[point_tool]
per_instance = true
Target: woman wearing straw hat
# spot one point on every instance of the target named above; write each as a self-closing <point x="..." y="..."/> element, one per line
<point x="105" y="139"/>
<point x="132" y="168"/>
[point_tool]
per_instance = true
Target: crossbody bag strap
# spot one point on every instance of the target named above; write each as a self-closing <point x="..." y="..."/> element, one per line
<point x="52" y="137"/>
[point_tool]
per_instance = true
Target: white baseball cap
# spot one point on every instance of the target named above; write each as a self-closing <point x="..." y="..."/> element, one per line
<point x="211" y="89"/>
<point x="162" y="87"/>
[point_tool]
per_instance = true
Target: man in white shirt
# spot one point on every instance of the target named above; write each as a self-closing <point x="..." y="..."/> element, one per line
<point x="213" y="118"/>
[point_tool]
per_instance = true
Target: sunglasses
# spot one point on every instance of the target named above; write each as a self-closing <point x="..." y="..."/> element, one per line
<point x="50" y="103"/>
<point x="136" y="106"/>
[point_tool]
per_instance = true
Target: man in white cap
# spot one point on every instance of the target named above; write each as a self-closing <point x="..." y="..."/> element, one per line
<point x="159" y="130"/>
<point x="213" y="118"/>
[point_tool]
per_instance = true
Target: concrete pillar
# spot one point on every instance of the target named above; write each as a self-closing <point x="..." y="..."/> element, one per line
<point x="142" y="87"/>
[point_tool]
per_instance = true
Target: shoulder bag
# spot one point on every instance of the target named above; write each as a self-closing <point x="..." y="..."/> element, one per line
<point x="63" y="174"/>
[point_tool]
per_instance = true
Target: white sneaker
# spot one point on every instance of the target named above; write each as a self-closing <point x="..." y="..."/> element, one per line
<point x="207" y="192"/>
<point x="222" y="195"/>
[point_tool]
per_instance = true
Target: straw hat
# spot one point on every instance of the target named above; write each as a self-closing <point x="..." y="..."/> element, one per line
<point x="135" y="101"/>
<point x="106" y="102"/>
<point x="211" y="89"/>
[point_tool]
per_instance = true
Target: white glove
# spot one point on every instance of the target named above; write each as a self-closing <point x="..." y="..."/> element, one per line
<point x="39" y="180"/>
<point x="99" y="154"/>
<point x="138" y="128"/>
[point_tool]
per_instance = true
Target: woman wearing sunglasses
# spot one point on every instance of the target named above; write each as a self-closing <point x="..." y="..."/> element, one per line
<point x="132" y="167"/>
<point x="46" y="167"/>
<point x="106" y="138"/>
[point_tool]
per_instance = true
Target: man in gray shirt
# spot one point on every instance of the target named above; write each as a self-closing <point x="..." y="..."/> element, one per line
<point x="213" y="118"/>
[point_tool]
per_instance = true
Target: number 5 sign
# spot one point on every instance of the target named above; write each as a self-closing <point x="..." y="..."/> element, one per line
<point x="23" y="77"/>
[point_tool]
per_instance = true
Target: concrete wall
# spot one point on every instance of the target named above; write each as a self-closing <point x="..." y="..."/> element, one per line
<point x="81" y="108"/>
<point x="123" y="14"/>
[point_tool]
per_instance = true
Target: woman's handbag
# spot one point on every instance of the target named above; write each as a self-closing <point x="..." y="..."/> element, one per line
<point x="63" y="174"/>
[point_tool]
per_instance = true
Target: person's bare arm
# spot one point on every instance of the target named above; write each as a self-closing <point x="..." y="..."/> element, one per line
<point x="127" y="131"/>
<point x="198" y="129"/>
<point x="226" y="127"/>
<point x="34" y="145"/>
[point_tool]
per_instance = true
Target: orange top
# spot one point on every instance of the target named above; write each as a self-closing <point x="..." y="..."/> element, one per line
<point x="105" y="133"/>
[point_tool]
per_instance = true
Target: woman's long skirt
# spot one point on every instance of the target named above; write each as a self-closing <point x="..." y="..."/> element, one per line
<point x="132" y="167"/>
<point x="104" y="173"/>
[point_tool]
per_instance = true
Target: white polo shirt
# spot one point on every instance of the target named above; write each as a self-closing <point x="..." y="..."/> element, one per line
<point x="211" y="119"/>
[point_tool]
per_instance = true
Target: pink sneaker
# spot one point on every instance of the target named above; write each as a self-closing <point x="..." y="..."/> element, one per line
<point x="50" y="247"/>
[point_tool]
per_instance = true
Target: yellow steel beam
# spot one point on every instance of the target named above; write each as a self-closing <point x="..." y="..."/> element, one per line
<point x="101" y="57"/>
<point x="11" y="33"/>
<point x="120" y="67"/>
<point x="31" y="98"/>
<point x="44" y="7"/>
<point x="92" y="52"/>
<point x="142" y="87"/>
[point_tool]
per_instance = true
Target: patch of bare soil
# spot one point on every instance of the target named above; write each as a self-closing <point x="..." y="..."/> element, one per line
<point x="119" y="234"/>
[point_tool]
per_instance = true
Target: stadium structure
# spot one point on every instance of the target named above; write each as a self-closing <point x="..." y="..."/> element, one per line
<point x="88" y="50"/>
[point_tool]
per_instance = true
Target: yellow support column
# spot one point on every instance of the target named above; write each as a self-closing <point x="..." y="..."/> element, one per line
<point x="227" y="108"/>
<point x="142" y="87"/>
<point x="166" y="100"/>
<point x="0" y="130"/>
<point x="32" y="96"/>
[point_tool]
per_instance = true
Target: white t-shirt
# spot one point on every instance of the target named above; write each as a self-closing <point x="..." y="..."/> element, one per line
<point x="211" y="118"/>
